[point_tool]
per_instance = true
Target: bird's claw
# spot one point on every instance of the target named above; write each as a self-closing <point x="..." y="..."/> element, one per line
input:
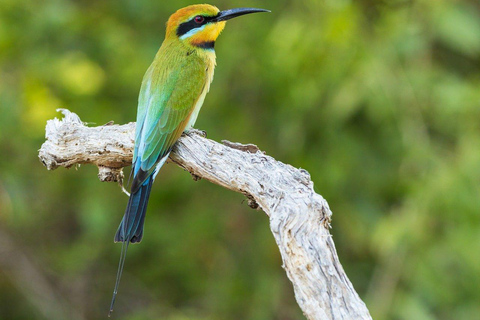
<point x="201" y="133"/>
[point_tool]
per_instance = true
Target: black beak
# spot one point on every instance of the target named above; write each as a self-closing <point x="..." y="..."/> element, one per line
<point x="232" y="13"/>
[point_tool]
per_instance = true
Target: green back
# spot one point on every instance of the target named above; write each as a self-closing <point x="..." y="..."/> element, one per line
<point x="169" y="92"/>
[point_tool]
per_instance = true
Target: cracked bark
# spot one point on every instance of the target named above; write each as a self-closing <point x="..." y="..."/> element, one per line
<point x="299" y="217"/>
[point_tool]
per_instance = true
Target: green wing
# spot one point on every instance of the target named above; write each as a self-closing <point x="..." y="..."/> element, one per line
<point x="167" y="98"/>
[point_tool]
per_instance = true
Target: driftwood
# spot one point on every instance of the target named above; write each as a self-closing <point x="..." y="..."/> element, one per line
<point x="299" y="217"/>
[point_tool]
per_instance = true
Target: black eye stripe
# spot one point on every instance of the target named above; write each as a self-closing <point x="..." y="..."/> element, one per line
<point x="191" y="24"/>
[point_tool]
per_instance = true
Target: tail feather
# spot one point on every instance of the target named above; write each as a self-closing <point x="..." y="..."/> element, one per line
<point x="131" y="227"/>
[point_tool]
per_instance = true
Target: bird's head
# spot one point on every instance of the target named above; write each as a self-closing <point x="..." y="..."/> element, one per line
<point x="200" y="25"/>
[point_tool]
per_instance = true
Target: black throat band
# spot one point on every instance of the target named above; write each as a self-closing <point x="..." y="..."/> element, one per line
<point x="208" y="45"/>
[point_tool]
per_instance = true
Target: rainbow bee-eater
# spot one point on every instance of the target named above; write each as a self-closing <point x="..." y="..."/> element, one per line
<point x="172" y="93"/>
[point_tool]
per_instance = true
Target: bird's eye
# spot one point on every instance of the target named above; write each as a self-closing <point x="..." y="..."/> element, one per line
<point x="199" y="19"/>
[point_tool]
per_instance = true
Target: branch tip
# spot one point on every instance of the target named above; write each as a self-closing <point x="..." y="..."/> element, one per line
<point x="251" y="148"/>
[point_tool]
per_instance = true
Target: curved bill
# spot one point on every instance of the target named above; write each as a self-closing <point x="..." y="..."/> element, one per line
<point x="232" y="13"/>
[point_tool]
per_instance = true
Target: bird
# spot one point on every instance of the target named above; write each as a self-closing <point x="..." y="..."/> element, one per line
<point x="171" y="95"/>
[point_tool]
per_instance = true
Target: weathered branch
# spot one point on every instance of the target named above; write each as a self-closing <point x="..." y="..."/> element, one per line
<point x="299" y="217"/>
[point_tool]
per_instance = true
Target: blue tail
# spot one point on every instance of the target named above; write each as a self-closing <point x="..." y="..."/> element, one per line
<point x="131" y="227"/>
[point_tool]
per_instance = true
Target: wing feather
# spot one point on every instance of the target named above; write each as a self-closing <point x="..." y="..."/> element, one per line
<point x="166" y="101"/>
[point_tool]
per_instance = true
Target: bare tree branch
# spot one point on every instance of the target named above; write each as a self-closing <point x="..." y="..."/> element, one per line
<point x="299" y="217"/>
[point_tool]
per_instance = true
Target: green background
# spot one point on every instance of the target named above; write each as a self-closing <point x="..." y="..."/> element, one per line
<point x="378" y="100"/>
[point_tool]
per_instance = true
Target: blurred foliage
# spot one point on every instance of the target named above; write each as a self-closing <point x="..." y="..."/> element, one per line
<point x="378" y="100"/>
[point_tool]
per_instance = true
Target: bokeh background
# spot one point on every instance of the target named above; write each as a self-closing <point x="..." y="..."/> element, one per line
<point x="378" y="100"/>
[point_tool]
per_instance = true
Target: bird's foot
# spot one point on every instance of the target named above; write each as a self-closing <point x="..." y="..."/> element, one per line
<point x="202" y="133"/>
